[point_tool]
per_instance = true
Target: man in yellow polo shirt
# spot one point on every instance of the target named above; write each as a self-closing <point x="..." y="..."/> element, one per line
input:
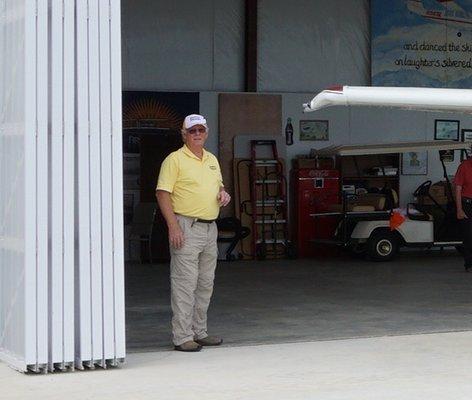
<point x="190" y="193"/>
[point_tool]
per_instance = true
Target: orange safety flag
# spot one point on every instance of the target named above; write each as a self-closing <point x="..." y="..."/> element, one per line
<point x="396" y="219"/>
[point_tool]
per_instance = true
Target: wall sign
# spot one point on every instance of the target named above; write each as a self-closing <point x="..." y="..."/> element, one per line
<point x="426" y="43"/>
<point x="314" y="130"/>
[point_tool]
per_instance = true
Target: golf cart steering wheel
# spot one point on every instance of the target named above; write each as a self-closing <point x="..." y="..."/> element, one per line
<point x="423" y="189"/>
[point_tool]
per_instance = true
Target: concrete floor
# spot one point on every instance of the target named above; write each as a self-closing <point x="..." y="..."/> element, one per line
<point x="278" y="302"/>
<point x="433" y="367"/>
<point x="308" y="300"/>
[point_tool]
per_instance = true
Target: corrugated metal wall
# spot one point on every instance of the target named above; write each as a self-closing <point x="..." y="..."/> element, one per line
<point x="183" y="45"/>
<point x="303" y="45"/>
<point x="61" y="220"/>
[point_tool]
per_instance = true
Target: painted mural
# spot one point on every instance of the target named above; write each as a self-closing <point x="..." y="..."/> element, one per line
<point x="426" y="43"/>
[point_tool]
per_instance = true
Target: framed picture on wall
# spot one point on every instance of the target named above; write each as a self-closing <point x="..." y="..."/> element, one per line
<point x="446" y="155"/>
<point x="446" y="129"/>
<point x="466" y="136"/>
<point x="314" y="129"/>
<point x="415" y="163"/>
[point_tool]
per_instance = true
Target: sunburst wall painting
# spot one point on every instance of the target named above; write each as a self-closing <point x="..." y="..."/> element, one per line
<point x="154" y="113"/>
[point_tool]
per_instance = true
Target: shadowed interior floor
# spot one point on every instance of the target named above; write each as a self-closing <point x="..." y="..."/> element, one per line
<point x="307" y="300"/>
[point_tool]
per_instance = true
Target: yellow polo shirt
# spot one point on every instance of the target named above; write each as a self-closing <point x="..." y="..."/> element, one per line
<point x="193" y="184"/>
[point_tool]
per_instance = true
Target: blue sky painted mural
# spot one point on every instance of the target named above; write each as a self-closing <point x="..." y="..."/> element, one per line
<point x="425" y="43"/>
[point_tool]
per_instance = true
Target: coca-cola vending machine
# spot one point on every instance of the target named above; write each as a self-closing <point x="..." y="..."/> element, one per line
<point x="313" y="191"/>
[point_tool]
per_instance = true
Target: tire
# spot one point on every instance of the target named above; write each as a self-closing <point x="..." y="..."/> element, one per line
<point x="382" y="246"/>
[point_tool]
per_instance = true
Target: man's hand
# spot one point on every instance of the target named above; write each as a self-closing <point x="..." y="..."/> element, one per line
<point x="461" y="214"/>
<point x="176" y="236"/>
<point x="223" y="198"/>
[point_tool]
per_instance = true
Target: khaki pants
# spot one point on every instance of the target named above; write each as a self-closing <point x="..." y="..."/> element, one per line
<point x="192" y="271"/>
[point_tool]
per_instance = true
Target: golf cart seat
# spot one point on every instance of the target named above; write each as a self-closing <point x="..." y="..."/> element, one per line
<point x="374" y="201"/>
<point x="417" y="215"/>
<point x="362" y="208"/>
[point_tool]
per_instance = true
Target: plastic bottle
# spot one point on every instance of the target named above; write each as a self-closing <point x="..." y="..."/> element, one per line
<point x="289" y="132"/>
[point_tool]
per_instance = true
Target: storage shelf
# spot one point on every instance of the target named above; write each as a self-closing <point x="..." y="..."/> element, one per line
<point x="372" y="177"/>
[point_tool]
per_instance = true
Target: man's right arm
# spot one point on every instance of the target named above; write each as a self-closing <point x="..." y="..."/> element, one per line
<point x="176" y="236"/>
<point x="460" y="212"/>
<point x="459" y="181"/>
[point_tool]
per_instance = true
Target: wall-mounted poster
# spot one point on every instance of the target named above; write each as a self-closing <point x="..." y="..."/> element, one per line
<point x="314" y="130"/>
<point x="426" y="43"/>
<point x="415" y="163"/>
<point x="150" y="113"/>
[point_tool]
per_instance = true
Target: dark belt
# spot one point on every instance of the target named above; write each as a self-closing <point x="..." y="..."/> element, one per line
<point x="467" y="200"/>
<point x="205" y="221"/>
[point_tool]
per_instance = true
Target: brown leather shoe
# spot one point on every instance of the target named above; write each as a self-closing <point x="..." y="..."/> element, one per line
<point x="210" y="341"/>
<point x="189" y="346"/>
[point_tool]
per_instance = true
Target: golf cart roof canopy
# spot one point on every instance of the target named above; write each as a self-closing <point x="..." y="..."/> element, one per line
<point x="391" y="148"/>
<point x="409" y="98"/>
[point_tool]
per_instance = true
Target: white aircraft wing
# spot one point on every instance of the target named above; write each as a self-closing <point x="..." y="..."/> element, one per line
<point x="424" y="99"/>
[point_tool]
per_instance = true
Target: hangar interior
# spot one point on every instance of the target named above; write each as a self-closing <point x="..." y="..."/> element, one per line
<point x="249" y="79"/>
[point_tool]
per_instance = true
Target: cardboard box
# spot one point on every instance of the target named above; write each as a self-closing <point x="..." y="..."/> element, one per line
<point x="313" y="163"/>
<point x="299" y="163"/>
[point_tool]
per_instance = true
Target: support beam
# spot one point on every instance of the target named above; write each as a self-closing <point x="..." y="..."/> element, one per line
<point x="251" y="46"/>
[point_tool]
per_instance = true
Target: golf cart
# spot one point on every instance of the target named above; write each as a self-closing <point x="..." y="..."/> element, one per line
<point x="367" y="231"/>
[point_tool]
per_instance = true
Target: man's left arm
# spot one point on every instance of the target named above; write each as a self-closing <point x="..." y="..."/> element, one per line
<point x="223" y="197"/>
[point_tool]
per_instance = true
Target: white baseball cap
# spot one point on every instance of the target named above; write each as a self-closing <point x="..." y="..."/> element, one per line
<point x="194" y="119"/>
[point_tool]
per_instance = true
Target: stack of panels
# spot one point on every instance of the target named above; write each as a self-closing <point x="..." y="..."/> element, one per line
<point x="100" y="280"/>
<point x="61" y="221"/>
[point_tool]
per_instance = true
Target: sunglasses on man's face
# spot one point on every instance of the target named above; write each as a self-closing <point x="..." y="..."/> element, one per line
<point x="193" y="131"/>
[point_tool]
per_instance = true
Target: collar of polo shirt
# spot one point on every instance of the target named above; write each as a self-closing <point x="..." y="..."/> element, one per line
<point x="188" y="152"/>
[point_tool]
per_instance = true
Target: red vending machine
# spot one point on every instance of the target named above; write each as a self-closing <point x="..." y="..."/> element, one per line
<point x="313" y="191"/>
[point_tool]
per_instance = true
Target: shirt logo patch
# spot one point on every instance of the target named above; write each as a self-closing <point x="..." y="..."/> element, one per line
<point x="213" y="167"/>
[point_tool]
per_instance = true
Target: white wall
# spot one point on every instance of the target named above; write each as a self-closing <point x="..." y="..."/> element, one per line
<point x="209" y="108"/>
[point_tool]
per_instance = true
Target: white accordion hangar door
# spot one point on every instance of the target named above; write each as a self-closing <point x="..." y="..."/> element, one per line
<point x="100" y="268"/>
<point x="24" y="179"/>
<point x="61" y="217"/>
<point x="117" y="181"/>
<point x="61" y="188"/>
<point x="83" y="296"/>
<point x="106" y="180"/>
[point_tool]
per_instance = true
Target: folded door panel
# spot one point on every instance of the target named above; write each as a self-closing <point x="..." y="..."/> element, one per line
<point x="117" y="168"/>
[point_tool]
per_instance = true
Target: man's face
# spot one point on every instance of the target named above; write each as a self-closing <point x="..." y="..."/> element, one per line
<point x="196" y="136"/>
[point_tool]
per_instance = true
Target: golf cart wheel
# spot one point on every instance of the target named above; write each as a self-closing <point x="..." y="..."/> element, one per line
<point x="382" y="246"/>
